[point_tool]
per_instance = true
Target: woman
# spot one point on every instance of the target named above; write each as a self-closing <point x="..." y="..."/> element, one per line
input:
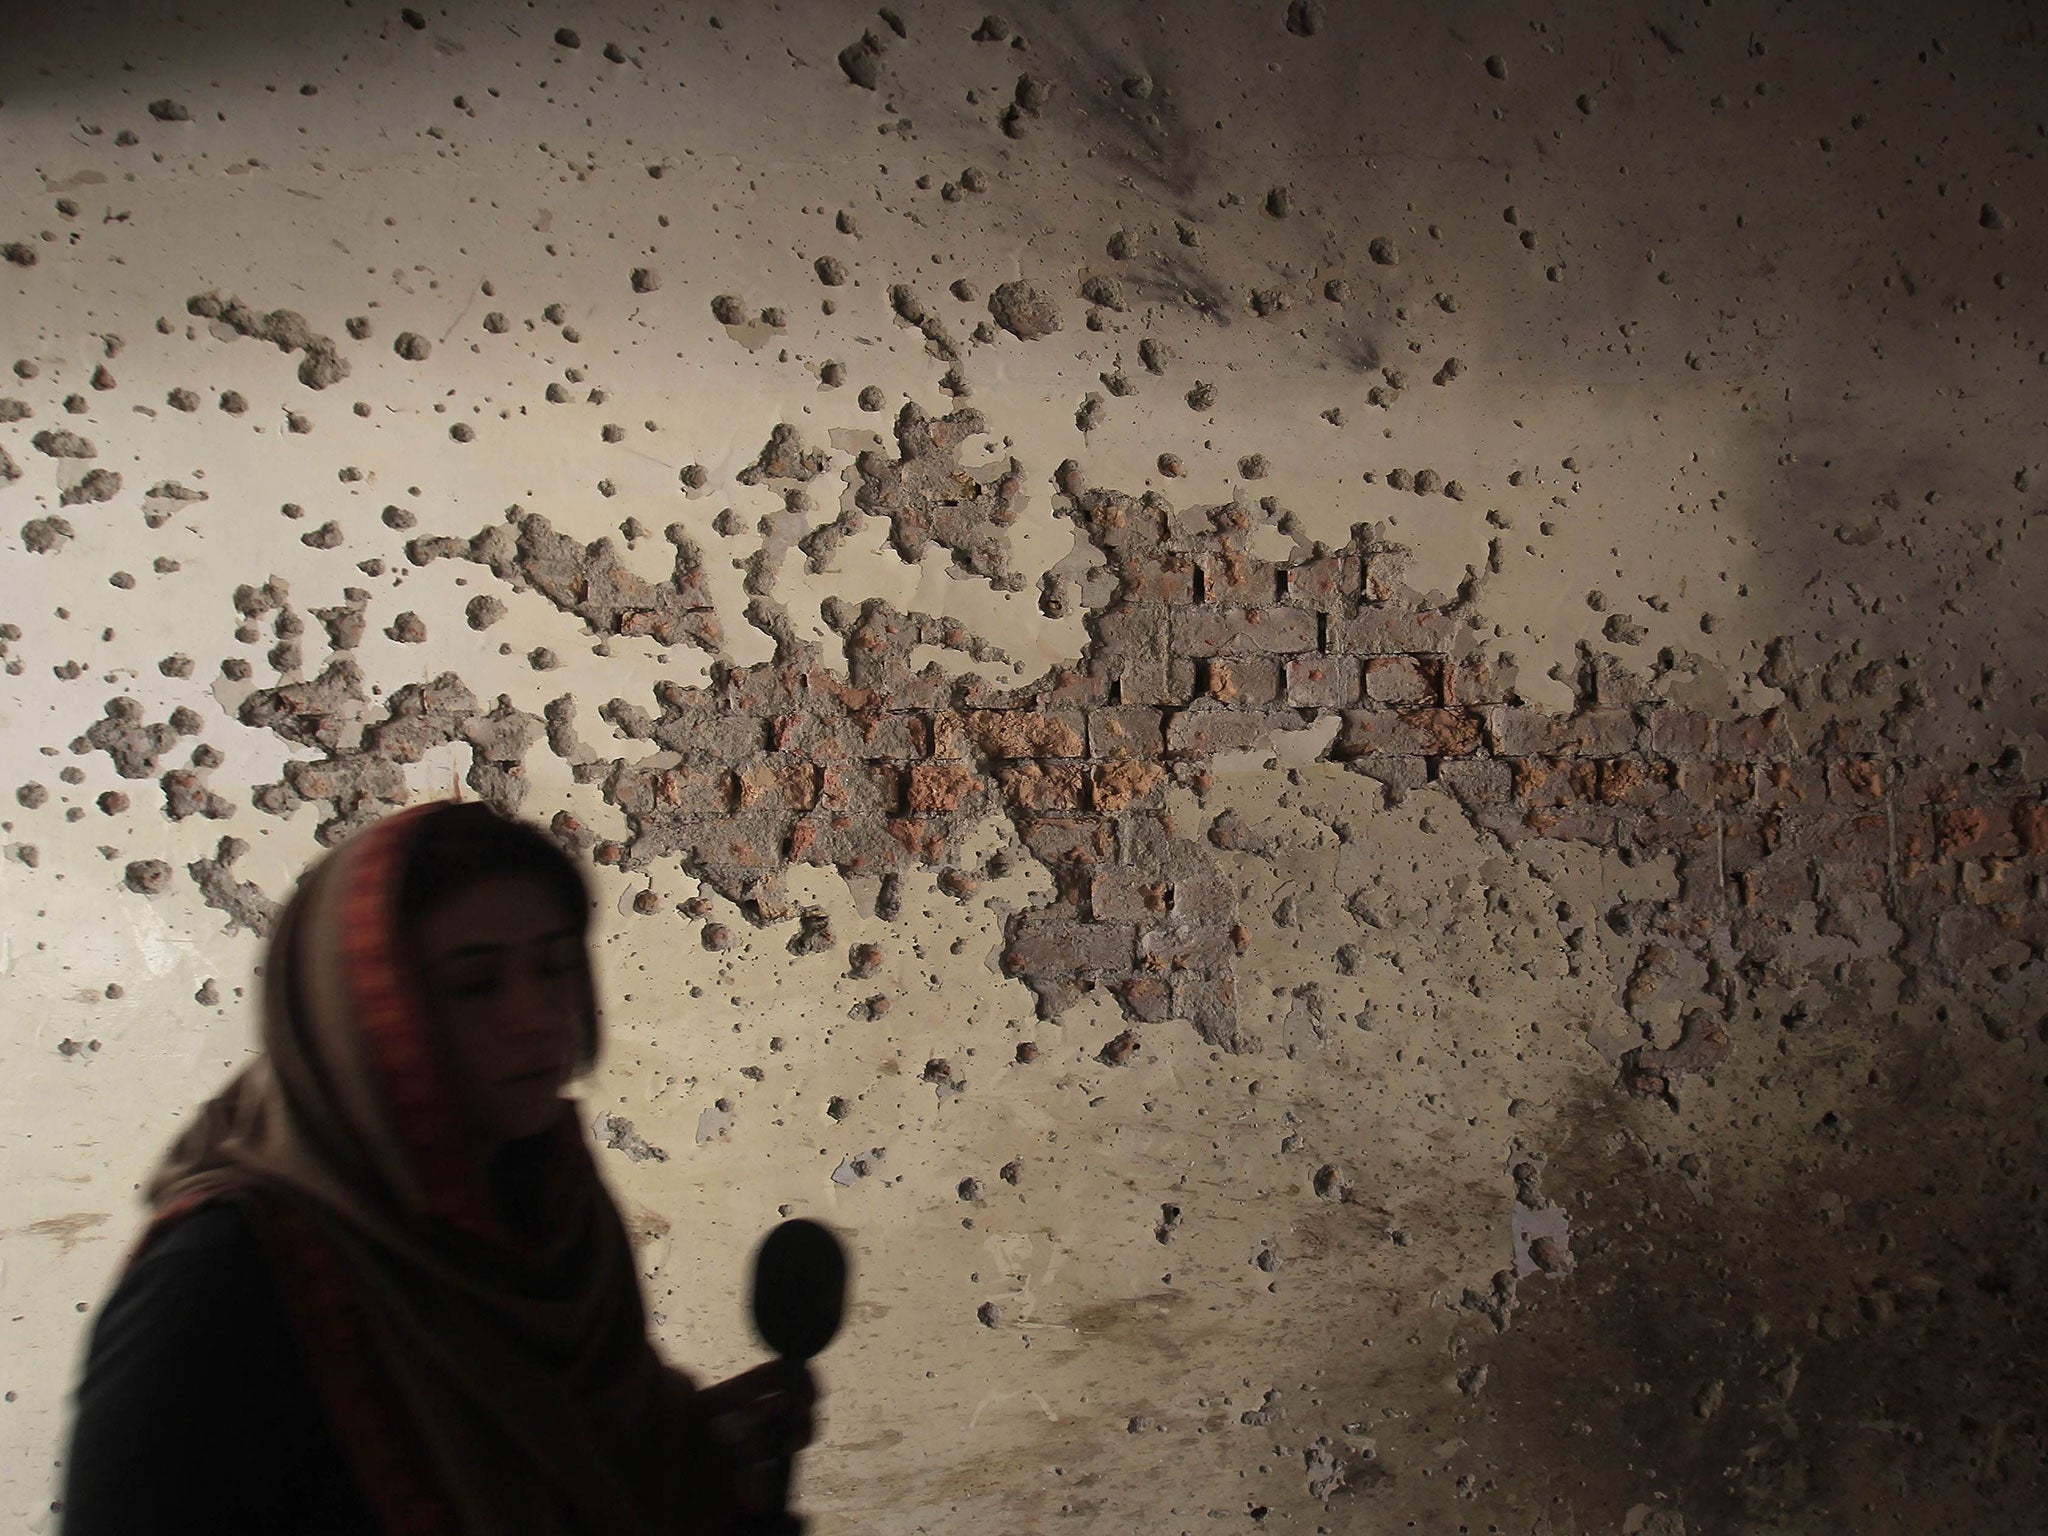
<point x="384" y="1288"/>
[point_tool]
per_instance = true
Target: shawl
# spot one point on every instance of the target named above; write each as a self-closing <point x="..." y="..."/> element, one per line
<point x="482" y="1381"/>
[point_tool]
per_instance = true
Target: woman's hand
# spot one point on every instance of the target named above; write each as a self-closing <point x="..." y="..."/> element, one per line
<point x="762" y="1418"/>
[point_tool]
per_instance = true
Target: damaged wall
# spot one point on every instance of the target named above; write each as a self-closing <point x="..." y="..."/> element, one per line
<point x="1331" y="718"/>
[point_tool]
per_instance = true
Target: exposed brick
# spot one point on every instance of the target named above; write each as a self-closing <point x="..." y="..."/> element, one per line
<point x="640" y="792"/>
<point x="1131" y="650"/>
<point x="1120" y="896"/>
<point x="1017" y="733"/>
<point x="741" y="842"/>
<point x="1478" y="780"/>
<point x="872" y="787"/>
<point x="1672" y="732"/>
<point x="940" y="787"/>
<point x="1234" y="631"/>
<point x="1519" y="731"/>
<point x="1185" y="946"/>
<point x="1147" y="840"/>
<point x="1389" y="631"/>
<point x="1062" y="840"/>
<point x="1717" y="782"/>
<point x="1120" y="785"/>
<point x="1204" y="898"/>
<point x="921" y="839"/>
<point x="1146" y="998"/>
<point x="1245" y="681"/>
<point x="1207" y="1000"/>
<point x="1232" y="576"/>
<point x="1480" y="679"/>
<point x="1052" y="944"/>
<point x="1826" y="833"/>
<point x="1755" y="736"/>
<point x="1578" y="823"/>
<point x="1325" y="582"/>
<point x="1633" y="781"/>
<point x="1856" y="780"/>
<point x="1781" y="784"/>
<point x="893" y="733"/>
<point x="1043" y="786"/>
<point x="2030" y="827"/>
<point x="778" y="782"/>
<point x="1407" y="733"/>
<point x="1202" y="731"/>
<point x="1404" y="679"/>
<point x="1553" y="781"/>
<point x="1781" y="881"/>
<point x="1322" y="682"/>
<point x="1165" y="577"/>
<point x="1976" y="832"/>
<point x="1130" y="731"/>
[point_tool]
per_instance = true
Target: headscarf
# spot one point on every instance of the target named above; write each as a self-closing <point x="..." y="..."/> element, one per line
<point x="482" y="1383"/>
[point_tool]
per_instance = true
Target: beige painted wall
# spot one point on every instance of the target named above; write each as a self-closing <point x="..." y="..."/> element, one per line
<point x="1748" y="312"/>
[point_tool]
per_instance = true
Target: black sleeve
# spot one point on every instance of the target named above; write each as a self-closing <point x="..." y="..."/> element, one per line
<point x="194" y="1413"/>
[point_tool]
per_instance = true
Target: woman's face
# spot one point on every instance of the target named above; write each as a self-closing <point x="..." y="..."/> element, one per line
<point x="504" y="967"/>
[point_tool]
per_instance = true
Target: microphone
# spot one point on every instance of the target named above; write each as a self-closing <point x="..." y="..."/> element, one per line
<point x="799" y="1300"/>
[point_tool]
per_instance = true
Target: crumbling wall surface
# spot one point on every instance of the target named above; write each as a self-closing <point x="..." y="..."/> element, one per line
<point x="1330" y="716"/>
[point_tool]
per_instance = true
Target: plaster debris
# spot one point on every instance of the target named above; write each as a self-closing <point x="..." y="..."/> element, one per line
<point x="321" y="366"/>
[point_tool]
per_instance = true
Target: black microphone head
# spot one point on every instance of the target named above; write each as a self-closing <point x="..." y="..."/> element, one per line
<point x="799" y="1288"/>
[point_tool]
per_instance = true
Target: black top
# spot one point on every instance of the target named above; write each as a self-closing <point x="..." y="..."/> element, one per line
<point x="195" y="1412"/>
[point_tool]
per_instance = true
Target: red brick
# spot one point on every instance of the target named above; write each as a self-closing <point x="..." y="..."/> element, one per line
<point x="1404" y="679"/>
<point x="1042" y="786"/>
<point x="942" y="787"/>
<point x="1540" y="781"/>
<point x="1232" y="576"/>
<point x="919" y="838"/>
<point x="1131" y="652"/>
<point x="1322" y="682"/>
<point x="1780" y="784"/>
<point x="1975" y="832"/>
<point x="2030" y="826"/>
<point x="1148" y="999"/>
<point x="1130" y="731"/>
<point x="1233" y="631"/>
<point x="1858" y="780"/>
<point x="1120" y="785"/>
<point x="1324" y="583"/>
<point x="1633" y="781"/>
<point x="1016" y="733"/>
<point x="1165" y="577"/>
<point x="1407" y="733"/>
<point x="1388" y="631"/>
<point x="1065" y="840"/>
<point x="778" y="782"/>
<point x="1245" y="681"/>
<point x="641" y="792"/>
